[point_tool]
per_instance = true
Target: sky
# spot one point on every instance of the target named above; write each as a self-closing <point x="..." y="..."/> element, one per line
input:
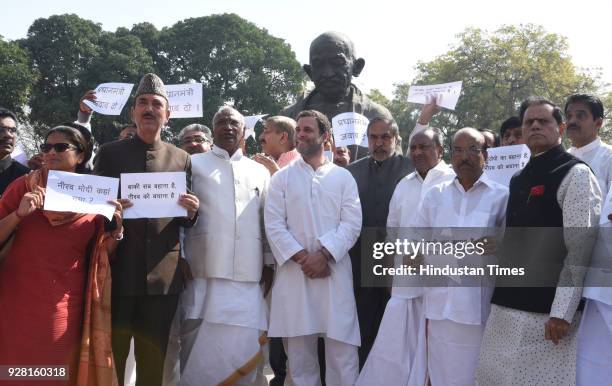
<point x="392" y="36"/>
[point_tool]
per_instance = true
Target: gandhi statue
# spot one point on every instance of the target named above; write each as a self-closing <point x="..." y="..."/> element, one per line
<point x="332" y="66"/>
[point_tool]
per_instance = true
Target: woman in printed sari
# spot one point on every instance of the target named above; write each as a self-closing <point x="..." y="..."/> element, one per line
<point x="55" y="277"/>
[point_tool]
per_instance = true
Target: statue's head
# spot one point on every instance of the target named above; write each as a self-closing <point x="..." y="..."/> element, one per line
<point x="333" y="64"/>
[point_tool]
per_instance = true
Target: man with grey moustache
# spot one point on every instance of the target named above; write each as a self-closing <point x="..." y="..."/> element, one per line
<point x="376" y="177"/>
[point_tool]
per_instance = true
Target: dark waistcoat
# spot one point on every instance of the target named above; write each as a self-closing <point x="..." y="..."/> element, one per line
<point x="534" y="233"/>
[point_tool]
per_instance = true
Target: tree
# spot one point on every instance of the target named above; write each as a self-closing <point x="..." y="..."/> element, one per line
<point x="150" y="38"/>
<point x="121" y="58"/>
<point x="606" y="130"/>
<point x="236" y="61"/>
<point x="16" y="77"/>
<point x="498" y="71"/>
<point x="62" y="49"/>
<point x="377" y="96"/>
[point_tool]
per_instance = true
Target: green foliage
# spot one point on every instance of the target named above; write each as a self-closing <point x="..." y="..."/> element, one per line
<point x="606" y="130"/>
<point x="150" y="37"/>
<point x="377" y="96"/>
<point x="236" y="61"/>
<point x="498" y="71"/>
<point x="63" y="48"/>
<point x="239" y="63"/>
<point x="16" y="76"/>
<point x="122" y="58"/>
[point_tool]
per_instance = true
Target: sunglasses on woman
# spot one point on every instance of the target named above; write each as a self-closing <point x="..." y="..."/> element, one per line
<point x="58" y="147"/>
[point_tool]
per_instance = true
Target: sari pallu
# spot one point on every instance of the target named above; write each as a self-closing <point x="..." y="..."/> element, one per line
<point x="96" y="365"/>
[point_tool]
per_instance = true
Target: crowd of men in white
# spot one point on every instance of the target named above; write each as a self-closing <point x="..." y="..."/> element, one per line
<point x="293" y="214"/>
<point x="269" y="254"/>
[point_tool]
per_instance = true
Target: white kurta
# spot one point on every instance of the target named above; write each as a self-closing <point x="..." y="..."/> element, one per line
<point x="456" y="314"/>
<point x="449" y="205"/>
<point x="403" y="213"/>
<point x="598" y="155"/>
<point x="308" y="209"/>
<point x="227" y="297"/>
<point x="399" y="354"/>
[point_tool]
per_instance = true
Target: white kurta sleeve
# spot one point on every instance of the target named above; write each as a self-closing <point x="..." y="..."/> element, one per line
<point x="341" y="238"/>
<point x="281" y="241"/>
<point x="393" y="218"/>
<point x="267" y="252"/>
<point x="580" y="199"/>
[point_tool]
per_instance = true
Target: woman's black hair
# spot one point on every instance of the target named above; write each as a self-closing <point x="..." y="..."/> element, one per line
<point x="76" y="138"/>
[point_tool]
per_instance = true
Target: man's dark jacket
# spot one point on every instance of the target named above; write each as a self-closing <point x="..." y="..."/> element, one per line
<point x="148" y="258"/>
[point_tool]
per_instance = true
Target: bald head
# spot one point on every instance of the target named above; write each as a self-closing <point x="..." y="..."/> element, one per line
<point x="333" y="64"/>
<point x="340" y="41"/>
<point x="228" y="129"/>
<point x="468" y="155"/>
<point x="426" y="149"/>
<point x="471" y="133"/>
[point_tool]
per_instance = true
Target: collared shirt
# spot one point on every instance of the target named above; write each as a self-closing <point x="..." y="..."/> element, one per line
<point x="406" y="200"/>
<point x="449" y="205"/>
<point x="598" y="155"/>
<point x="10" y="170"/>
<point x="232" y="191"/>
<point x="310" y="209"/>
<point x="403" y="210"/>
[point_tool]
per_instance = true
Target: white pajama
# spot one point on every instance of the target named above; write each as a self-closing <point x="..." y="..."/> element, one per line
<point x="594" y="357"/>
<point x="341" y="361"/>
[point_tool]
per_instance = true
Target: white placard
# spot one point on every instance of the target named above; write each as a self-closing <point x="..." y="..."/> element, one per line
<point x="110" y="98"/>
<point x="80" y="193"/>
<point x="19" y="154"/>
<point x="504" y="161"/>
<point x="350" y="129"/>
<point x="185" y="100"/>
<point x="154" y="195"/>
<point x="447" y="94"/>
<point x="606" y="208"/>
<point x="249" y="125"/>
